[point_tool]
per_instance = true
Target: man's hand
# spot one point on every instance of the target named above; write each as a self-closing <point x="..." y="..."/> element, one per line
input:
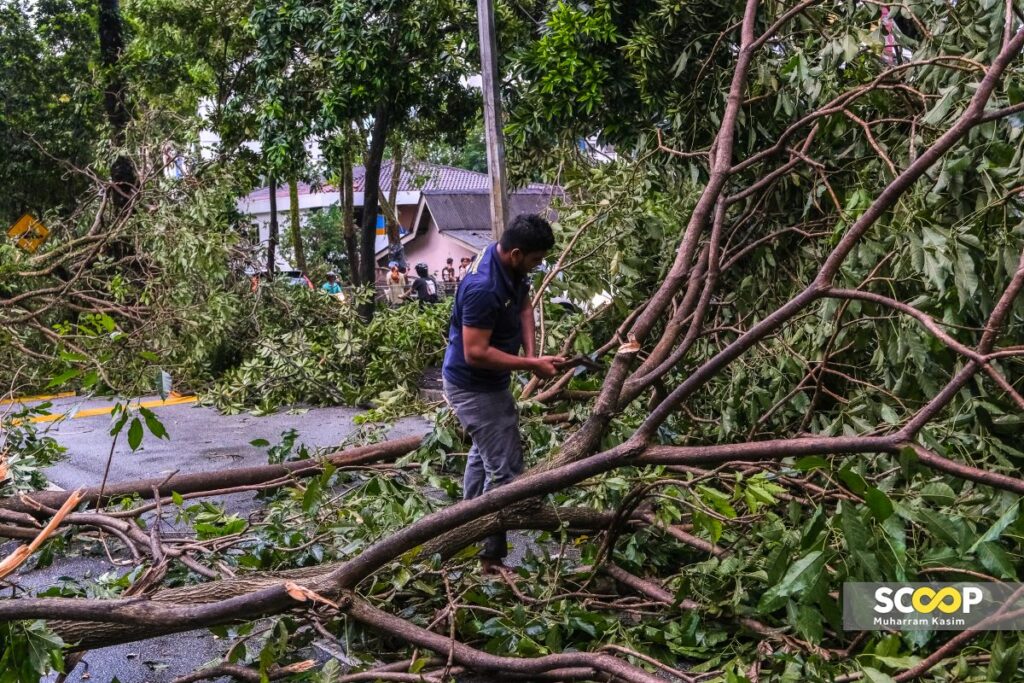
<point x="546" y="367"/>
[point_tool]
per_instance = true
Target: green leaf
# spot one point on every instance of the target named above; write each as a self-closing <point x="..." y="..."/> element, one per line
<point x="876" y="676"/>
<point x="63" y="378"/>
<point x="945" y="528"/>
<point x="153" y="423"/>
<point x="311" y="498"/>
<point x="964" y="275"/>
<point x="801" y="575"/>
<point x="811" y="462"/>
<point x="853" y="480"/>
<point x="259" y="443"/>
<point x="717" y="500"/>
<point x="810" y="623"/>
<point x="939" y="492"/>
<point x="889" y="415"/>
<point x="135" y="434"/>
<point x="812" y="530"/>
<point x="107" y="322"/>
<point x="938" y="112"/>
<point x="879" y="503"/>
<point x="898" y="662"/>
<point x="996" y="530"/>
<point x="996" y="561"/>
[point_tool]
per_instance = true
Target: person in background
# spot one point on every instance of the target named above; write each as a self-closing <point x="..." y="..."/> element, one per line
<point x="448" y="276"/>
<point x="395" y="284"/>
<point x="424" y="287"/>
<point x="464" y="267"/>
<point x="331" y="286"/>
<point x="492" y="322"/>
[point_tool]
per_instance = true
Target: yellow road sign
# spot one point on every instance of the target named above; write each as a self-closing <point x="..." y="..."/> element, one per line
<point x="28" y="233"/>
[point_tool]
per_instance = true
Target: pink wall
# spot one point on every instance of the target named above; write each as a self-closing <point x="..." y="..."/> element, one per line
<point x="407" y="214"/>
<point x="433" y="248"/>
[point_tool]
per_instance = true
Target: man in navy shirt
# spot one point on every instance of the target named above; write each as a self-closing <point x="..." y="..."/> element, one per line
<point x="492" y="320"/>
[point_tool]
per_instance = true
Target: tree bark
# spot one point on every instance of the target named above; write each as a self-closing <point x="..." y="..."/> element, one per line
<point x="115" y="100"/>
<point x="392" y="224"/>
<point x="296" y="225"/>
<point x="371" y="195"/>
<point x="93" y="634"/>
<point x="348" y="221"/>
<point x="217" y="479"/>
<point x="273" y="229"/>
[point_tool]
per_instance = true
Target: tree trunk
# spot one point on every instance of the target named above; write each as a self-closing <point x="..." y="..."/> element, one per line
<point x="371" y="195"/>
<point x="122" y="172"/>
<point x="293" y="197"/>
<point x="195" y="482"/>
<point x="393" y="226"/>
<point x="348" y="220"/>
<point x="272" y="237"/>
<point x="84" y="635"/>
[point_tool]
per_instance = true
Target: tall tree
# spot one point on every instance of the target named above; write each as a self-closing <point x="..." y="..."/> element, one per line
<point x="115" y="99"/>
<point x="340" y="148"/>
<point x="285" y="108"/>
<point x="274" y="229"/>
<point x="389" y="62"/>
<point x="50" y="113"/>
<point x="392" y="223"/>
<point x="295" y="223"/>
<point x="197" y="57"/>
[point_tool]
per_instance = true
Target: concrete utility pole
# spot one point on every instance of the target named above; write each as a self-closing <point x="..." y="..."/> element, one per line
<point x="492" y="117"/>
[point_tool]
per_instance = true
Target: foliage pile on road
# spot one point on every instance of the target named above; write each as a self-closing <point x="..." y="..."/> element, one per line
<point x="305" y="347"/>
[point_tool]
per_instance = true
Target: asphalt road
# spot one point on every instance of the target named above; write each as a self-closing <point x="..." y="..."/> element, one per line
<point x="200" y="439"/>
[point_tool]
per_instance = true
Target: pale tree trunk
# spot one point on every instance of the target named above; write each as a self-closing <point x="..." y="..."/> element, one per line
<point x="371" y="196"/>
<point x="293" y="197"/>
<point x="393" y="226"/>
<point x="348" y="220"/>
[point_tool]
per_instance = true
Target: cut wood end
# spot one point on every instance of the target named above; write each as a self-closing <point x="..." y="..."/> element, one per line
<point x="301" y="594"/>
<point x="630" y="347"/>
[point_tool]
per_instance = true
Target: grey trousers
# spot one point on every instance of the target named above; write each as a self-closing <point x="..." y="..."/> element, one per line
<point x="496" y="457"/>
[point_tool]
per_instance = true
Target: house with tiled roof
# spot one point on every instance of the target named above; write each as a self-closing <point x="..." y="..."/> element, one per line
<point x="444" y="211"/>
<point x="414" y="180"/>
<point x="457" y="223"/>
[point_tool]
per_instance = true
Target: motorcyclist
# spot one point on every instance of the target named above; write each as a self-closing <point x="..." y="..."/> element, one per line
<point x="424" y="287"/>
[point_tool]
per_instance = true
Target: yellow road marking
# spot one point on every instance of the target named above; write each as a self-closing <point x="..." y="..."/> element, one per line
<point x="33" y="399"/>
<point x="106" y="410"/>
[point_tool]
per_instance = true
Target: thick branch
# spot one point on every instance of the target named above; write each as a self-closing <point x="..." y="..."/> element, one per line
<point x="220" y="479"/>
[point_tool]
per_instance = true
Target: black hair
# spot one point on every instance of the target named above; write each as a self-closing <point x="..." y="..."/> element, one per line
<point x="421" y="269"/>
<point x="528" y="233"/>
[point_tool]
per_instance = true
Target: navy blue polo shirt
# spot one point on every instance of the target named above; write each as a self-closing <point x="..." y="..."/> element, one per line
<point x="488" y="298"/>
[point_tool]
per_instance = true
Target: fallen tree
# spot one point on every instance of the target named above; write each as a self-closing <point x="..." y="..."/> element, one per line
<point x="218" y="482"/>
<point x="854" y="458"/>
